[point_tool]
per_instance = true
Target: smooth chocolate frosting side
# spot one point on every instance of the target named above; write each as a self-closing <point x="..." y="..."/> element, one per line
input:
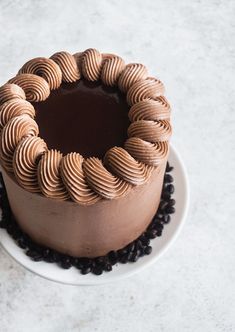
<point x="88" y="231"/>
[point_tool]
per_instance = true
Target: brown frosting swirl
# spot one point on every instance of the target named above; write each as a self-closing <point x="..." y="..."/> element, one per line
<point x="25" y="162"/>
<point x="150" y="109"/>
<point x="112" y="68"/>
<point x="102" y="181"/>
<point x="149" y="88"/>
<point x="68" y="66"/>
<point x="74" y="180"/>
<point x="78" y="58"/>
<point x="35" y="87"/>
<point x="9" y="91"/>
<point x="15" y="107"/>
<point x="45" y="68"/>
<point x="91" y="63"/>
<point x="106" y="56"/>
<point x="132" y="73"/>
<point x="151" y="131"/>
<point x="149" y="153"/>
<point x="126" y="167"/>
<point x="49" y="179"/>
<point x="16" y="129"/>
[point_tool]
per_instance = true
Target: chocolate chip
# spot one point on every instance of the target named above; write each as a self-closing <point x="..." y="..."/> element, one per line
<point x="74" y="260"/>
<point x="65" y="264"/>
<point x="168" y="178"/>
<point x="162" y="205"/>
<point x="79" y="265"/>
<point x="86" y="261"/>
<point x="34" y="255"/>
<point x="148" y="250"/>
<point x="49" y="259"/>
<point x="113" y="261"/>
<point x="171" y="202"/>
<point x="47" y="255"/>
<point x="166" y="195"/>
<point x="168" y="167"/>
<point x="170" y="189"/>
<point x="144" y="240"/>
<point x="56" y="256"/>
<point x="170" y="209"/>
<point x="97" y="270"/>
<point x="112" y="254"/>
<point x="46" y="252"/>
<point x="108" y="267"/>
<point x="166" y="218"/>
<point x="138" y="245"/>
<point x="159" y="227"/>
<point x="113" y="257"/>
<point x="151" y="234"/>
<point x="85" y="270"/>
<point x="66" y="259"/>
<point x="21" y="243"/>
<point x="10" y="229"/>
<point x="150" y="227"/>
<point x="134" y="257"/>
<point x="124" y="259"/>
<point x="100" y="261"/>
<point x="159" y="215"/>
<point x="131" y="247"/>
<point x="122" y="252"/>
<point x="15" y="234"/>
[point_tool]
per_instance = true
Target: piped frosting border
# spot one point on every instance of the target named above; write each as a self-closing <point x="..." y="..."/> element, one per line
<point x="85" y="181"/>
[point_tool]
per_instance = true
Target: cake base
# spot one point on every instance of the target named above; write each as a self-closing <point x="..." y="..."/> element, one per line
<point x="130" y="253"/>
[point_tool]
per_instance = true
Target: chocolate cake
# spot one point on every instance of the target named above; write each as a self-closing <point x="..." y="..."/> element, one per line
<point x="83" y="150"/>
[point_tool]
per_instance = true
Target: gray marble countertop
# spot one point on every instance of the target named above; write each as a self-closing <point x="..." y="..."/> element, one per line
<point x="190" y="46"/>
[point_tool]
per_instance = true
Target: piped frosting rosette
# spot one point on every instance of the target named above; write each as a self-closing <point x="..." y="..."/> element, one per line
<point x="71" y="177"/>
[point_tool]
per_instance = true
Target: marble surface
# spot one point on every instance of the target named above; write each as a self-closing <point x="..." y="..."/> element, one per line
<point x="190" y="46"/>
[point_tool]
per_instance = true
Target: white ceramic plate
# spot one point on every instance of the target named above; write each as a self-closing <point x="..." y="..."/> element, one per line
<point x="160" y="244"/>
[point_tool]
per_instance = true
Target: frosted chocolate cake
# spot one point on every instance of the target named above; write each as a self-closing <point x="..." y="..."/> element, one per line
<point x="83" y="150"/>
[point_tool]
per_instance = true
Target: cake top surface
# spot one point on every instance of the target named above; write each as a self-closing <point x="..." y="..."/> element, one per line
<point x="85" y="117"/>
<point x="127" y="137"/>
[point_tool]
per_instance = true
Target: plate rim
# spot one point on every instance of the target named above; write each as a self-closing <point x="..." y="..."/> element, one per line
<point x="133" y="268"/>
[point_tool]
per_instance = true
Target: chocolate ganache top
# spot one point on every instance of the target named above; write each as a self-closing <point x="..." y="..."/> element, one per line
<point x="96" y="118"/>
<point x="83" y="127"/>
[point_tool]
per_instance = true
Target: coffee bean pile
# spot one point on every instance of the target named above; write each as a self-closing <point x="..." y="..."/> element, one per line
<point x="131" y="253"/>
